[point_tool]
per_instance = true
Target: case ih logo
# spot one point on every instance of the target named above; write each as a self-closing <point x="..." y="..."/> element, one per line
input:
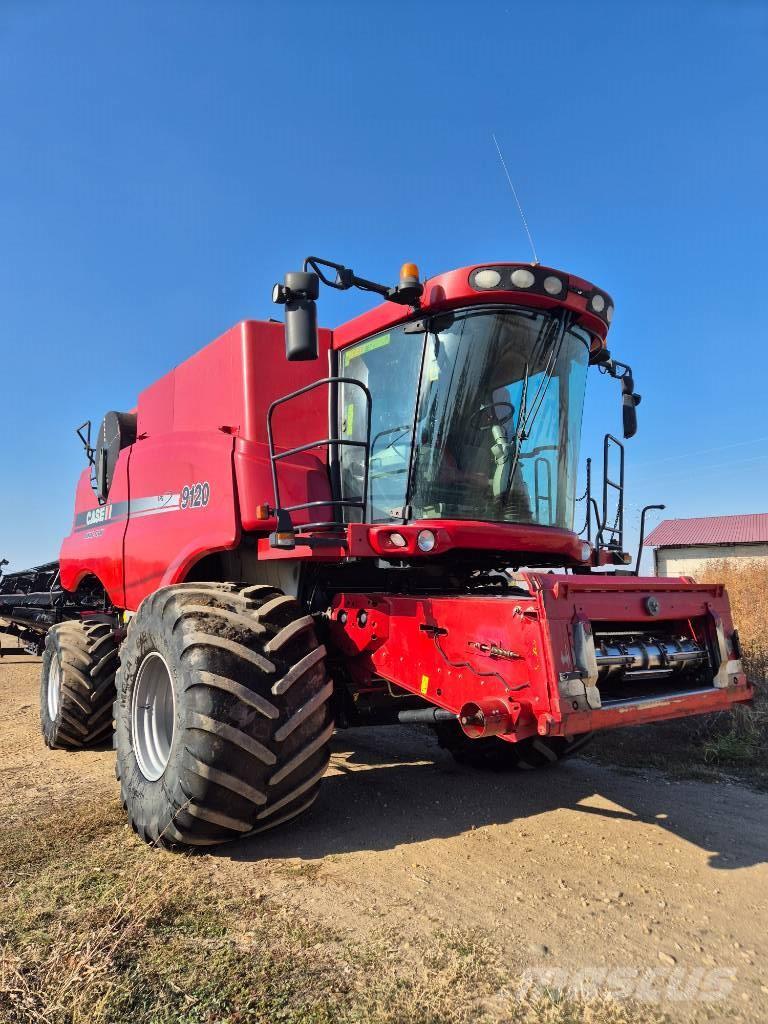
<point x="98" y="515"/>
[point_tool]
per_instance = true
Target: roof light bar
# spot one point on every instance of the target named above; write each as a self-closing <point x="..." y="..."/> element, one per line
<point x="601" y="304"/>
<point x="519" y="278"/>
<point x="542" y="281"/>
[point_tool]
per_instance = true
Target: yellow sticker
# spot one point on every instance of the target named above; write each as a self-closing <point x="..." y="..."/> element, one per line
<point x="424" y="684"/>
<point x="349" y="420"/>
<point x="366" y="346"/>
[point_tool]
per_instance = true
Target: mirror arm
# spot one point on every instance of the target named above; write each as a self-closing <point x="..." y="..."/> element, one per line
<point x="404" y="294"/>
<point x="300" y="290"/>
<point x="85" y="439"/>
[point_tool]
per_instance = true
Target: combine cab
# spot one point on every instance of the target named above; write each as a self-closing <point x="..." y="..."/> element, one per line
<point x="298" y="530"/>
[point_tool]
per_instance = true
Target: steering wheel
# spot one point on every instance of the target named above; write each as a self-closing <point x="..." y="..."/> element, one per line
<point x="487" y="416"/>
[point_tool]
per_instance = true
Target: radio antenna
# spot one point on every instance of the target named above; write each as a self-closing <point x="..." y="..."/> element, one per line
<point x="514" y="193"/>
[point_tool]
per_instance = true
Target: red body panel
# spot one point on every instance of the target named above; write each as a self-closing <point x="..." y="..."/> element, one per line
<point x="164" y="540"/>
<point x="204" y="423"/>
<point x="441" y="647"/>
<point x="512" y="539"/>
<point x="96" y="548"/>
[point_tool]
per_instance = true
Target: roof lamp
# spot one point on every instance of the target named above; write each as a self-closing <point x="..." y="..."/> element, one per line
<point x="522" y="278"/>
<point x="409" y="274"/>
<point x="487" y="278"/>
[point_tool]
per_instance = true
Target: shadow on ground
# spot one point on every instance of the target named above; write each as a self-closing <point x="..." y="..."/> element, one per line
<point x="394" y="786"/>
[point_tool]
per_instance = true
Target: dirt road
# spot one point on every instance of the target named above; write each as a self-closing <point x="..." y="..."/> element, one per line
<point x="581" y="868"/>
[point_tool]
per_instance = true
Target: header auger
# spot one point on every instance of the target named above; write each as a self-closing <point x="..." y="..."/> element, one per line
<point x="299" y="529"/>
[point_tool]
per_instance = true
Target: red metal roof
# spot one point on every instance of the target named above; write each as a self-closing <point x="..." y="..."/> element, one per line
<point x="749" y="529"/>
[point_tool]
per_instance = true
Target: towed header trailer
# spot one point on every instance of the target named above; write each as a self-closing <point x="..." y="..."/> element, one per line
<point x="33" y="600"/>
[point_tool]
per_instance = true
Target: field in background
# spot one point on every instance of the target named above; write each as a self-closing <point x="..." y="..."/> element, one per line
<point x="748" y="590"/>
<point x="727" y="743"/>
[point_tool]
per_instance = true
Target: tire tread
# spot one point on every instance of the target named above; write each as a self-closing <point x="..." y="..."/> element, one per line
<point x="255" y="713"/>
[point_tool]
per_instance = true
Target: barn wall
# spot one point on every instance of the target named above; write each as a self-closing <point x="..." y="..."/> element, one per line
<point x="690" y="561"/>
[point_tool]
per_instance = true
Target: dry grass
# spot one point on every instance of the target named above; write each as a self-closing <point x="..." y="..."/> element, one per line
<point x="744" y="740"/>
<point x="747" y="586"/>
<point x="734" y="742"/>
<point x="96" y="927"/>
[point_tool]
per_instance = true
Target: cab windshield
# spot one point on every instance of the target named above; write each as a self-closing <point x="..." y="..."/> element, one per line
<point x="479" y="418"/>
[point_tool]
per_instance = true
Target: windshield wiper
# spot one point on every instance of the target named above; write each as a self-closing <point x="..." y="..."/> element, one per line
<point x="525" y="420"/>
<point x="404" y="429"/>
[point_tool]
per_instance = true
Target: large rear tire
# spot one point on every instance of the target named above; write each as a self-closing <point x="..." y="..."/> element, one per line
<point x="222" y="713"/>
<point x="496" y="755"/>
<point x="77" y="684"/>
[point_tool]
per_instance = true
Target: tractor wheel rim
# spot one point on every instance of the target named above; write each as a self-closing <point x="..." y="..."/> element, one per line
<point x="153" y="712"/>
<point x="53" y="692"/>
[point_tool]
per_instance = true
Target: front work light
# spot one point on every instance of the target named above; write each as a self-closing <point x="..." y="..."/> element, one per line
<point x="487" y="279"/>
<point x="600" y="304"/>
<point x="522" y="278"/>
<point x="516" y="278"/>
<point x="537" y="280"/>
<point x="426" y="541"/>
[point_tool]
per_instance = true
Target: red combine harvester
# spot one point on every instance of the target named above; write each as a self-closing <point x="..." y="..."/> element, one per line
<point x="269" y="548"/>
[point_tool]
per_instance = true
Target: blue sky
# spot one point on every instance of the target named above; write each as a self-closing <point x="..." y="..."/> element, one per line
<point x="161" y="164"/>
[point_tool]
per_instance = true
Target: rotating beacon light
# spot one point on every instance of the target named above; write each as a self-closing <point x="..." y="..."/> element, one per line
<point x="409" y="287"/>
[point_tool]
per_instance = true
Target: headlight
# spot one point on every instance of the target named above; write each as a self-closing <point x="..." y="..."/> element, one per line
<point x="586" y="551"/>
<point x="426" y="540"/>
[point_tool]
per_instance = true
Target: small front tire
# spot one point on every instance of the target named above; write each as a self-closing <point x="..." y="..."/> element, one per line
<point x="77" y="684"/>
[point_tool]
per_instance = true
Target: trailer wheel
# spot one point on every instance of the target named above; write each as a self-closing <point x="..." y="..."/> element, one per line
<point x="222" y="713"/>
<point x="77" y="684"/>
<point x="493" y="754"/>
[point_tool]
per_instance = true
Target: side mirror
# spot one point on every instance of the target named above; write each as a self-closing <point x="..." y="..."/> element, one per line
<point x="629" y="414"/>
<point x="298" y="295"/>
<point x="629" y="402"/>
